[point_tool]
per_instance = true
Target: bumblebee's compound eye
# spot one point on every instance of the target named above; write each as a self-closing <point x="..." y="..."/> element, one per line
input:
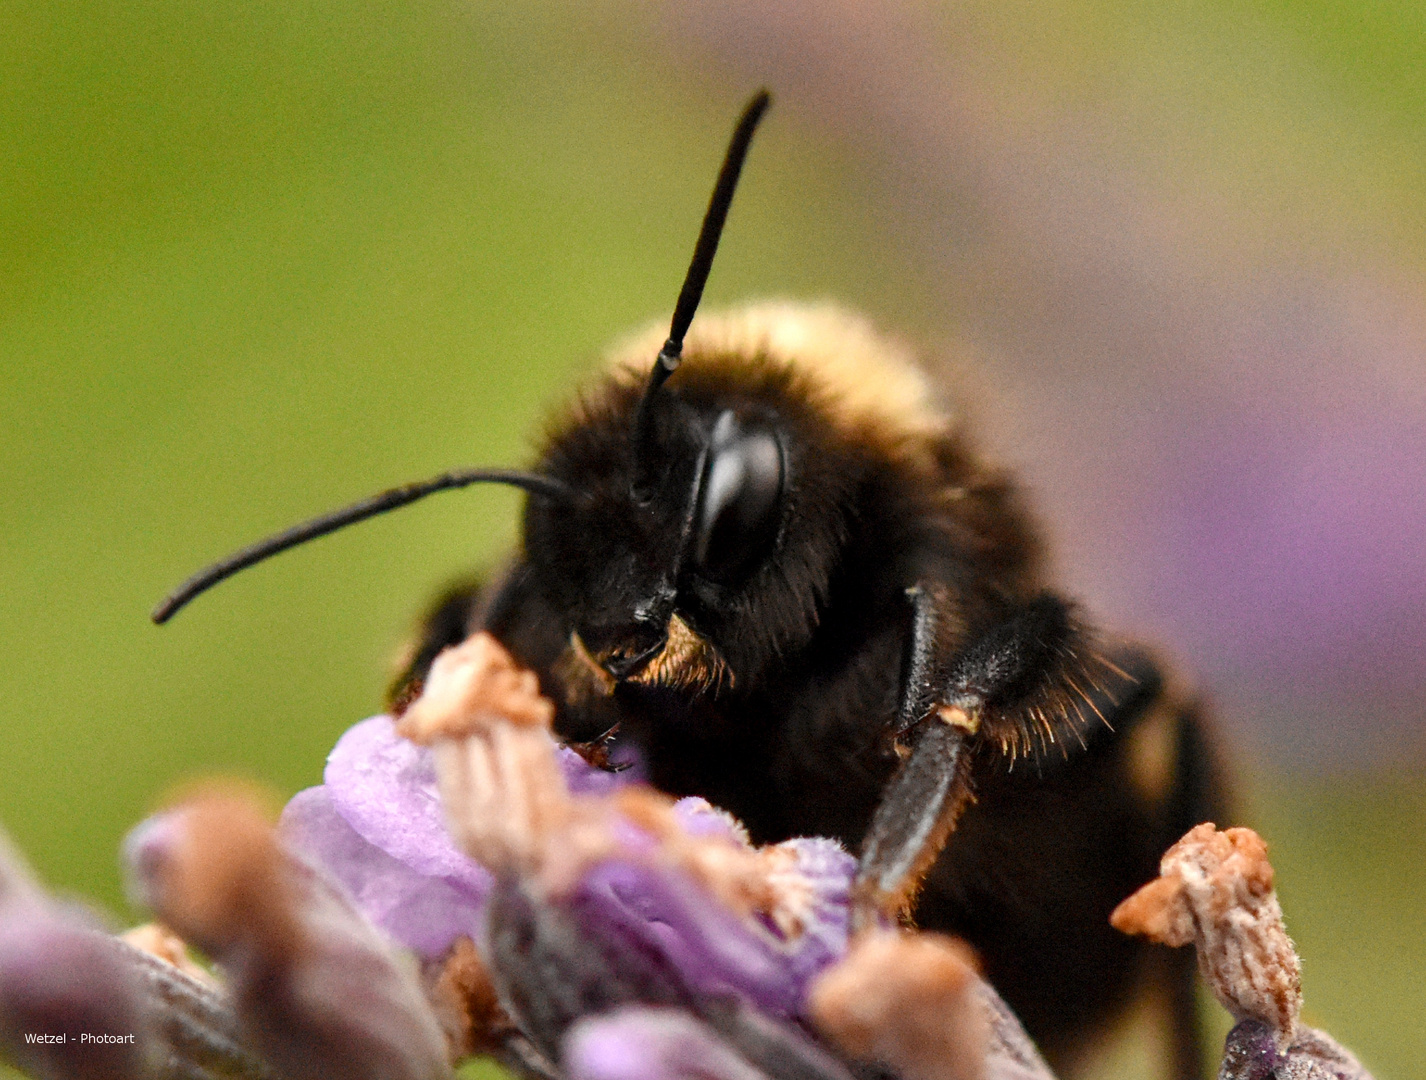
<point x="740" y="498"/>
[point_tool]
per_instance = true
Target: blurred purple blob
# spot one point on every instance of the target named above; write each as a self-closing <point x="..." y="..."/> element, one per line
<point x="60" y="976"/>
<point x="638" y="1043"/>
<point x="62" y="979"/>
<point x="317" y="992"/>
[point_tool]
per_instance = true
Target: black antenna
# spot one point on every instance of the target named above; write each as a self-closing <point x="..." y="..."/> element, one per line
<point x="391" y="499"/>
<point x="672" y="352"/>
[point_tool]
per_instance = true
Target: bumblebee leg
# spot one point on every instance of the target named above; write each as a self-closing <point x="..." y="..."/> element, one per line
<point x="913" y="819"/>
<point x="935" y="633"/>
<point x="919" y="809"/>
<point x="1007" y="679"/>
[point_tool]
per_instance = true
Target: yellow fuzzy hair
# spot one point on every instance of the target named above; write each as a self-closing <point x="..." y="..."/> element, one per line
<point x="867" y="382"/>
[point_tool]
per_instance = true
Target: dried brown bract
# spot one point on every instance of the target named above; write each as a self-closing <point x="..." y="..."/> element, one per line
<point x="908" y="1001"/>
<point x="1215" y="890"/>
<point x="469" y="685"/>
<point x="466" y="1003"/>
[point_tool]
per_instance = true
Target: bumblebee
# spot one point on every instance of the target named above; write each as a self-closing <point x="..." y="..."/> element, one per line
<point x="775" y="568"/>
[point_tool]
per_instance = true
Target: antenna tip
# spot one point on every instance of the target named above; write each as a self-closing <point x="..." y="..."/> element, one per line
<point x="753" y="111"/>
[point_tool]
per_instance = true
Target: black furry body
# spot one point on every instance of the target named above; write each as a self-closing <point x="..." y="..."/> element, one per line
<point x="817" y="635"/>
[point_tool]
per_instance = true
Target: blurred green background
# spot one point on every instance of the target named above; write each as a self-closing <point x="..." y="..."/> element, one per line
<point x="259" y="259"/>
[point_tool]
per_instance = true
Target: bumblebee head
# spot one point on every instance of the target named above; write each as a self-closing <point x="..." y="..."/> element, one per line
<point x="651" y="562"/>
<point x="772" y="438"/>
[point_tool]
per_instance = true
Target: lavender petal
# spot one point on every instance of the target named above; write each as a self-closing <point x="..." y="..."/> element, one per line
<point x="384" y="786"/>
<point x="639" y="1043"/>
<point x="425" y="914"/>
<point x="826" y="870"/>
<point x="716" y="951"/>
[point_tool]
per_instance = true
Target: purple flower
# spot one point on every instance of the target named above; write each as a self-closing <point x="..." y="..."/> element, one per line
<point x="572" y="921"/>
<point x="377" y="827"/>
<point x="716" y="950"/>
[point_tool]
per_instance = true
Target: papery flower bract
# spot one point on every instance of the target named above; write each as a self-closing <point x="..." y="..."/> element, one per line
<point x="1215" y="891"/>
